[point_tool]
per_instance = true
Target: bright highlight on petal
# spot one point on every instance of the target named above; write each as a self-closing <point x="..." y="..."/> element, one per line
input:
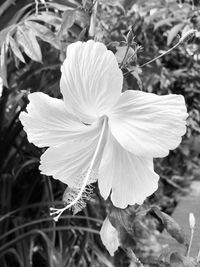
<point x="68" y="162"/>
<point x="129" y="178"/>
<point x="48" y="123"/>
<point x="91" y="80"/>
<point x="147" y="124"/>
<point x="109" y="236"/>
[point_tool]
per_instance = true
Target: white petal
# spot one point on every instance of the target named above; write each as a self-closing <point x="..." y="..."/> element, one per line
<point x="147" y="124"/>
<point x="48" y="123"/>
<point x="109" y="236"/>
<point x="91" y="80"/>
<point x="130" y="178"/>
<point x="69" y="162"/>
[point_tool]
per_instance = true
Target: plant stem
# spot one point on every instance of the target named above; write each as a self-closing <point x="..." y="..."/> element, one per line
<point x="161" y="55"/>
<point x="44" y="230"/>
<point x="43" y="220"/>
<point x="190" y="243"/>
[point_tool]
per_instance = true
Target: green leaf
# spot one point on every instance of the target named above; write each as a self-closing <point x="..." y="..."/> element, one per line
<point x="43" y="33"/>
<point x="49" y="18"/>
<point x="63" y="7"/>
<point x="123" y="221"/>
<point x="27" y="39"/>
<point x="177" y="260"/>
<point x="123" y="217"/>
<point x="4" y="33"/>
<point x="82" y="17"/>
<point x="136" y="71"/>
<point x="3" y="65"/>
<point x="15" y="49"/>
<point x="121" y="52"/>
<point x="173" y="32"/>
<point x="69" y="18"/>
<point x="172" y="227"/>
<point x="167" y="21"/>
<point x="112" y="3"/>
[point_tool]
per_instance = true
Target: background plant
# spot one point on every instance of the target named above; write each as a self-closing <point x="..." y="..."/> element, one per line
<point x="33" y="40"/>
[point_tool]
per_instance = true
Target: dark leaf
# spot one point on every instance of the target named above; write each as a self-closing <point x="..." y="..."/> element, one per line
<point x="123" y="220"/>
<point x="172" y="227"/>
<point x="69" y="18"/>
<point x="160" y="23"/>
<point x="123" y="217"/>
<point x="136" y="71"/>
<point x="177" y="260"/>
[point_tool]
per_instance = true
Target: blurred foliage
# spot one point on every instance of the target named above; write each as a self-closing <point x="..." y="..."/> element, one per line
<point x="33" y="40"/>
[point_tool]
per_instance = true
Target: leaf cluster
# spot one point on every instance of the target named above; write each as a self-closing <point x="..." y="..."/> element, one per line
<point x="33" y="40"/>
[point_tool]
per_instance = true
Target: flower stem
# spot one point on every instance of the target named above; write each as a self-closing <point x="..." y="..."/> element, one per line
<point x="190" y="243"/>
<point x="161" y="55"/>
<point x="183" y="39"/>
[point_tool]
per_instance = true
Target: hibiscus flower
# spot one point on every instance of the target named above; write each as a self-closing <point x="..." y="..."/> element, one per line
<point x="98" y="132"/>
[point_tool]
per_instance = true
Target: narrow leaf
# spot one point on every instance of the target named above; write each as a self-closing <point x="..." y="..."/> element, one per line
<point x="177" y="260"/>
<point x="160" y="23"/>
<point x="3" y="65"/>
<point x="69" y="18"/>
<point x="136" y="71"/>
<point x="43" y="33"/>
<point x="172" y="227"/>
<point x="173" y="32"/>
<point x="45" y="17"/>
<point x="15" y="49"/>
<point x="63" y="7"/>
<point x="4" y="33"/>
<point x="28" y="41"/>
<point x="112" y="3"/>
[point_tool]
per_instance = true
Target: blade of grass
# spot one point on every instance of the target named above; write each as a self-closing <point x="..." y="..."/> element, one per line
<point x="4" y="248"/>
<point x="46" y="220"/>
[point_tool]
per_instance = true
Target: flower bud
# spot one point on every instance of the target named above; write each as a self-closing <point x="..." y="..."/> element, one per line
<point x="130" y="37"/>
<point x="109" y="236"/>
<point x="191" y="220"/>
